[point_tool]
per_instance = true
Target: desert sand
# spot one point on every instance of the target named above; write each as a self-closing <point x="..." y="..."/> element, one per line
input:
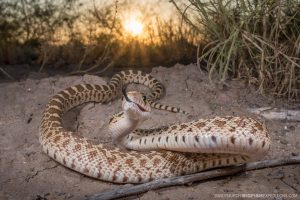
<point x="27" y="173"/>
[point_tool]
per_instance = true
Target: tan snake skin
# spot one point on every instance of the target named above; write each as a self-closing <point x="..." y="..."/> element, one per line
<point x="208" y="143"/>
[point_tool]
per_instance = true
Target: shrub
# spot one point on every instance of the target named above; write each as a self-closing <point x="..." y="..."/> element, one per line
<point x="255" y="40"/>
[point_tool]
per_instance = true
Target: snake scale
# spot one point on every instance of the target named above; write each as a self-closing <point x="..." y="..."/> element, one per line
<point x="206" y="143"/>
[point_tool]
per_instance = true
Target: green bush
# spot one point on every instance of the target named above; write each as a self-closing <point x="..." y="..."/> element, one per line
<point x="255" y="40"/>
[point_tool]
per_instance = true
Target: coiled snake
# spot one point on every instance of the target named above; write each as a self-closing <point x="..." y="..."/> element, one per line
<point x="180" y="148"/>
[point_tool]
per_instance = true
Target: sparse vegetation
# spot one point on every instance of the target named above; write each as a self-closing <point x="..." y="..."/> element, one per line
<point x="25" y="25"/>
<point x="255" y="40"/>
<point x="88" y="38"/>
<point x="258" y="41"/>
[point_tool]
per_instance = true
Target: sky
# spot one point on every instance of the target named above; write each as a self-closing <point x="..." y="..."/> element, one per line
<point x="162" y="7"/>
<point x="144" y="11"/>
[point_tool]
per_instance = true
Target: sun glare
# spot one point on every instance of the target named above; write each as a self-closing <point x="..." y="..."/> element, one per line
<point x="133" y="26"/>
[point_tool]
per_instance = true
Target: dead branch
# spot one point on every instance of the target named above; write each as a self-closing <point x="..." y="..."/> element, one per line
<point x="6" y="74"/>
<point x="189" y="179"/>
<point x="104" y="56"/>
<point x="277" y="114"/>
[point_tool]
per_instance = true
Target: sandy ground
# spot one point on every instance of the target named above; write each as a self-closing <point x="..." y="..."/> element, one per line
<point x="27" y="173"/>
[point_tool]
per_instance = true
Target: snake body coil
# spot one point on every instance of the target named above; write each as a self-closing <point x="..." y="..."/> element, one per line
<point x="207" y="143"/>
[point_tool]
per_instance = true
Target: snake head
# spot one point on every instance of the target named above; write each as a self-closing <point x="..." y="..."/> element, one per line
<point x="135" y="104"/>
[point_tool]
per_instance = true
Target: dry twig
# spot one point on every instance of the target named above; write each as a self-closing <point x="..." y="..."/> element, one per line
<point x="277" y="113"/>
<point x="189" y="179"/>
<point x="6" y="74"/>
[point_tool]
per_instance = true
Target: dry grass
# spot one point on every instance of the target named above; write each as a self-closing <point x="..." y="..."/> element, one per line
<point x="91" y="40"/>
<point x="255" y="40"/>
<point x="258" y="41"/>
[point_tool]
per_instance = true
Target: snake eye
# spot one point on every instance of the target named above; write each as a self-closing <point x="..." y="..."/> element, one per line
<point x="144" y="98"/>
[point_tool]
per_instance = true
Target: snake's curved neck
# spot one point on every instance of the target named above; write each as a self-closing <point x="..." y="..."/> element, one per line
<point x="121" y="125"/>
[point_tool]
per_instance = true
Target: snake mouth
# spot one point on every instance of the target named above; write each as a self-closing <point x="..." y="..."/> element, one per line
<point x="140" y="107"/>
<point x="129" y="100"/>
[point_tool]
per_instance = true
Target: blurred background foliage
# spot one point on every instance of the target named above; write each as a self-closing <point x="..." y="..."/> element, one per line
<point x="89" y="36"/>
<point x="256" y="41"/>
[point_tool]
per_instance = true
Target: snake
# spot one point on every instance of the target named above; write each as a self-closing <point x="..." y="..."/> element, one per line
<point x="143" y="155"/>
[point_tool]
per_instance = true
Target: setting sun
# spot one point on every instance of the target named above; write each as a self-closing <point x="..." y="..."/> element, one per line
<point x="133" y="26"/>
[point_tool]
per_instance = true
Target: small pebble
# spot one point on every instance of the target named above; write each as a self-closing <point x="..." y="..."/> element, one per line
<point x="279" y="174"/>
<point x="288" y="128"/>
<point x="60" y="193"/>
<point x="283" y="142"/>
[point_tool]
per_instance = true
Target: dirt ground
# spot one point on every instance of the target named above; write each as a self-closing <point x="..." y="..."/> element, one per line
<point x="27" y="173"/>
